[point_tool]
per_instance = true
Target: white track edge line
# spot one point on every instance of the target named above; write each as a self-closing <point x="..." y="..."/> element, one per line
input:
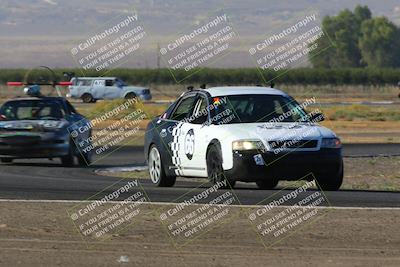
<point x="172" y="203"/>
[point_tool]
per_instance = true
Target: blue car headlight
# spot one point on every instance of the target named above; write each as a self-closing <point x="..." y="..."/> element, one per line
<point x="331" y="143"/>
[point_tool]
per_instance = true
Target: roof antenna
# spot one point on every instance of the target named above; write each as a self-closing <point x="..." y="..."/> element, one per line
<point x="272" y="84"/>
<point x="203" y="86"/>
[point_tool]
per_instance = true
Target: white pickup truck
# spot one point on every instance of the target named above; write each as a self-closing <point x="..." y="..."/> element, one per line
<point x="90" y="89"/>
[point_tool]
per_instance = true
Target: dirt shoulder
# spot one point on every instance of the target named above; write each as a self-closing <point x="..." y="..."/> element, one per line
<point x="37" y="234"/>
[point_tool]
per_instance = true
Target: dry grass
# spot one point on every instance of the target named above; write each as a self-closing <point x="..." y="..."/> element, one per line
<point x="366" y="131"/>
<point x="361" y="113"/>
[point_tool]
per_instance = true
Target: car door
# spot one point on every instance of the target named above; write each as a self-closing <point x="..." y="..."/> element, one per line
<point x="112" y="91"/>
<point x="98" y="88"/>
<point x="171" y="134"/>
<point x="194" y="139"/>
<point x="79" y="87"/>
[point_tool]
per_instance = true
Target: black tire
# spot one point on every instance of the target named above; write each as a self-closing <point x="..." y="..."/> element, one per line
<point x="268" y="184"/>
<point x="130" y="96"/>
<point x="68" y="160"/>
<point x="332" y="182"/>
<point x="156" y="169"/>
<point x="6" y="160"/>
<point x="84" y="159"/>
<point x="87" y="98"/>
<point x="215" y="172"/>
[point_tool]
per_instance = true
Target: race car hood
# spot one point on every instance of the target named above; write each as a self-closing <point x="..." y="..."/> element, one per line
<point x="275" y="131"/>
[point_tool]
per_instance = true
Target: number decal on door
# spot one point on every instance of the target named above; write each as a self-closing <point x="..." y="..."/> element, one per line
<point x="189" y="144"/>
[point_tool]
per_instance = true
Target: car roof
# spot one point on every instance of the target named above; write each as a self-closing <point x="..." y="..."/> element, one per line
<point x="95" y="78"/>
<point x="243" y="90"/>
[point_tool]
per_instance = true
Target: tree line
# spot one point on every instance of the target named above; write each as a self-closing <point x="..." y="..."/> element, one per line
<point x="360" y="40"/>
<point x="237" y="76"/>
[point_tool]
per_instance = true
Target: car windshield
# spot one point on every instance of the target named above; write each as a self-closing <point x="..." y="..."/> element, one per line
<point x="120" y="83"/>
<point x="31" y="110"/>
<point x="256" y="108"/>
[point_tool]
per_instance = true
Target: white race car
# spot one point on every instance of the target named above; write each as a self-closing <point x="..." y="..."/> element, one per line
<point x="249" y="134"/>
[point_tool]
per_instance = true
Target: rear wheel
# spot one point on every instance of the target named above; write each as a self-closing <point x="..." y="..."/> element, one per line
<point x="215" y="171"/>
<point x="87" y="98"/>
<point x="156" y="169"/>
<point x="6" y="160"/>
<point x="267" y="184"/>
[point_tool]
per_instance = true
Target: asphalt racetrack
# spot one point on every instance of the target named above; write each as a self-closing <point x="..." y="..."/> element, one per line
<point x="47" y="180"/>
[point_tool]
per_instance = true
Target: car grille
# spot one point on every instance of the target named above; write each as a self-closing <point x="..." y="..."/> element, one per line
<point x="292" y="144"/>
<point x="20" y="140"/>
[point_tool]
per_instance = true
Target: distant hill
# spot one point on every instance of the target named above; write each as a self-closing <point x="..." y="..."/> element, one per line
<point x="42" y="32"/>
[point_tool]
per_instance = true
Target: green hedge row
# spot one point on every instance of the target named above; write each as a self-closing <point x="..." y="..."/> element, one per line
<point x="229" y="76"/>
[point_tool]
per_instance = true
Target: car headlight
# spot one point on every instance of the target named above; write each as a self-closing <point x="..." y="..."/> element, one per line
<point x="331" y="143"/>
<point x="248" y="145"/>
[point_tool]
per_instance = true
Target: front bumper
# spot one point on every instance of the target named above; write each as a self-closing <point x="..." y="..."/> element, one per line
<point x="285" y="166"/>
<point x="47" y="145"/>
<point x="145" y="97"/>
<point x="35" y="151"/>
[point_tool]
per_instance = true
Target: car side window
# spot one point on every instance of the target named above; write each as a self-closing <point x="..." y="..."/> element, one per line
<point x="184" y="108"/>
<point x="83" y="82"/>
<point x="109" y="82"/>
<point x="119" y="83"/>
<point x="200" y="112"/>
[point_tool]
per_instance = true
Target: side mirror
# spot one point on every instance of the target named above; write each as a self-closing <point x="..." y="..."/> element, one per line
<point x="316" y="116"/>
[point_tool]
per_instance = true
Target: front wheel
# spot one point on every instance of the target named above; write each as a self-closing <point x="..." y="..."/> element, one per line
<point x="215" y="172"/>
<point x="331" y="182"/>
<point x="130" y="96"/>
<point x="156" y="169"/>
<point x="68" y="160"/>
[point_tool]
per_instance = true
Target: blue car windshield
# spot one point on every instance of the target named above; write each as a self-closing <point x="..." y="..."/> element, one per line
<point x="31" y="110"/>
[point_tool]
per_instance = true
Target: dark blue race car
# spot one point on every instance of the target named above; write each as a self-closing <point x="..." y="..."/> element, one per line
<point x="40" y="127"/>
